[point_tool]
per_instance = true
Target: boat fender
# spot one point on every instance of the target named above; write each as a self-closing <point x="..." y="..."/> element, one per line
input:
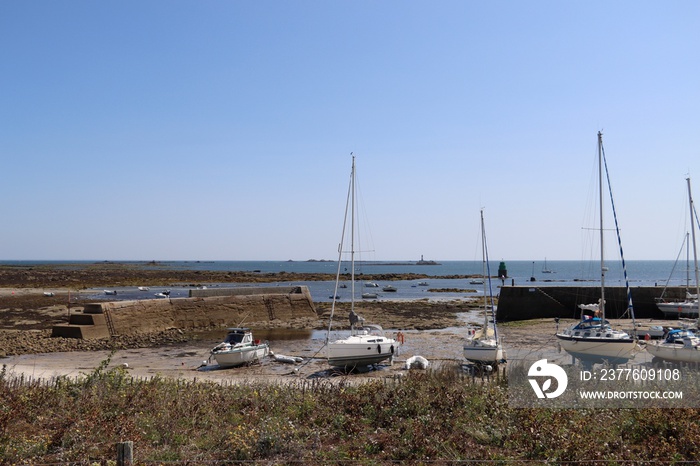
<point x="379" y="349"/>
<point x="392" y="349"/>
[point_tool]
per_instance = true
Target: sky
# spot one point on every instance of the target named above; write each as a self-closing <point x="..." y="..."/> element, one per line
<point x="222" y="130"/>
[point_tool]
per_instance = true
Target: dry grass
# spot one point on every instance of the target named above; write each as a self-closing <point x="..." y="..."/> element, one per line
<point x="441" y="416"/>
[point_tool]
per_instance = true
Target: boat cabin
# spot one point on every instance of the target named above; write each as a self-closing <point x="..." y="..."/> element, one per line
<point x="239" y="336"/>
<point x="591" y="323"/>
<point x="680" y="337"/>
<point x="591" y="327"/>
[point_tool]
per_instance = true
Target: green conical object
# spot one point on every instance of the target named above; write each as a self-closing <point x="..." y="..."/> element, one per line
<point x="502" y="271"/>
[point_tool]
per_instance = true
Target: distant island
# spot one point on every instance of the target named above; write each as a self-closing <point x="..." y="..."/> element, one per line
<point x="424" y="262"/>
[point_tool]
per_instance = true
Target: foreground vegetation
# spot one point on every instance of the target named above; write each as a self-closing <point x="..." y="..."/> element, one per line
<point x="440" y="416"/>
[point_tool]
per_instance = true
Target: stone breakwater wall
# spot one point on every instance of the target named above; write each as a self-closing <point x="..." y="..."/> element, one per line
<point x="220" y="307"/>
<point x="534" y="302"/>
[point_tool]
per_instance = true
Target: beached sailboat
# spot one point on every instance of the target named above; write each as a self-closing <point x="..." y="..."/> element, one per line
<point x="682" y="345"/>
<point x="593" y="339"/>
<point x="367" y="345"/>
<point x="484" y="346"/>
<point x="688" y="307"/>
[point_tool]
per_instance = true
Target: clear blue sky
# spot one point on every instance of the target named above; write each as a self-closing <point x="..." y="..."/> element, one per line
<point x="222" y="130"/>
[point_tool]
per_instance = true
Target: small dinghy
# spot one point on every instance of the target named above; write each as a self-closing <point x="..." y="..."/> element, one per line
<point x="416" y="362"/>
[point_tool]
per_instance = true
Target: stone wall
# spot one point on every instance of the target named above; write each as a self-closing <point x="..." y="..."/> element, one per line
<point x="533" y="302"/>
<point x="228" y="310"/>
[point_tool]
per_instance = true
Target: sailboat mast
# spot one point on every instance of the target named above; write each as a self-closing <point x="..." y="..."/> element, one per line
<point x="600" y="206"/>
<point x="695" y="251"/>
<point x="352" y="238"/>
<point x="340" y="249"/>
<point x="687" y="253"/>
<point x="484" y="273"/>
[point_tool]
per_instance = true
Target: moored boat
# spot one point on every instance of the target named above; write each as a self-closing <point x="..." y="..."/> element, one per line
<point x="592" y="339"/>
<point x="239" y="348"/>
<point x="366" y="345"/>
<point x="681" y="345"/>
<point x="484" y="345"/>
<point x="689" y="307"/>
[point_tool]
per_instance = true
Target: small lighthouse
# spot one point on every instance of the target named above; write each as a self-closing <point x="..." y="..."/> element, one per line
<point x="502" y="271"/>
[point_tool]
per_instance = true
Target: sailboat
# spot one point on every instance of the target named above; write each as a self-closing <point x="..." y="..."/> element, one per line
<point x="367" y="345"/>
<point x="545" y="269"/>
<point x="484" y="347"/>
<point x="682" y="345"/>
<point x="689" y="307"/>
<point x="593" y="340"/>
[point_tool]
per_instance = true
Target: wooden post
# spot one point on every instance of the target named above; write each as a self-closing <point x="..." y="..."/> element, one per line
<point x="125" y="453"/>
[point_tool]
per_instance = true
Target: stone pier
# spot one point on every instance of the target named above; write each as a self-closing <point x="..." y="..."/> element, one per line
<point x="533" y="302"/>
<point x="216" y="307"/>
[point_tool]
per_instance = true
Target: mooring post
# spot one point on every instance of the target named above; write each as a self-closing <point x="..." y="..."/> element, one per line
<point x="125" y="453"/>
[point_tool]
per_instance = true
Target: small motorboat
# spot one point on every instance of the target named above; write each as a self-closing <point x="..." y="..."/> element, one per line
<point x="163" y="294"/>
<point x="389" y="288"/>
<point x="111" y="292"/>
<point x="239" y="348"/>
<point x="143" y="288"/>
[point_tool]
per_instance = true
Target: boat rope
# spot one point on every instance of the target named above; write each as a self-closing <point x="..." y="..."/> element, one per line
<point x="551" y="297"/>
<point x="685" y="241"/>
<point x="630" y="307"/>
<point x="308" y="360"/>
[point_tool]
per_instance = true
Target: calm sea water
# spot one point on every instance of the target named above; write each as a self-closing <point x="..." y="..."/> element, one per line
<point x="562" y="273"/>
<point x="639" y="272"/>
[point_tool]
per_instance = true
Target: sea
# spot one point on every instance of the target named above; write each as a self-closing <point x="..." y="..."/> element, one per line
<point x="437" y="286"/>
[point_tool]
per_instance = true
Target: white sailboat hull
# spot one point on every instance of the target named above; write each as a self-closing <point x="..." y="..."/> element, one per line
<point x="670" y="352"/>
<point x="484" y="352"/>
<point x="679" y="309"/>
<point x="614" y="351"/>
<point x="360" y="351"/>
<point x="241" y="355"/>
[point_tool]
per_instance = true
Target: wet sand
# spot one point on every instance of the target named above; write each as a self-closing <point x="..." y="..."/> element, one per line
<point x="523" y="341"/>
